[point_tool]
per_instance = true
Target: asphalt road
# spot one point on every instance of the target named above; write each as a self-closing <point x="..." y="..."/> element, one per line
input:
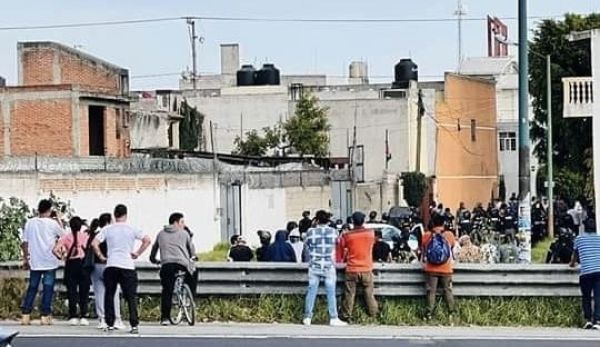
<point x="105" y="341"/>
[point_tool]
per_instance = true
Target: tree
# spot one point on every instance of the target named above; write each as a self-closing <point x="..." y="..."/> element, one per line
<point x="572" y="137"/>
<point x="252" y="145"/>
<point x="13" y="215"/>
<point x="190" y="128"/>
<point x="307" y="130"/>
<point x="415" y="186"/>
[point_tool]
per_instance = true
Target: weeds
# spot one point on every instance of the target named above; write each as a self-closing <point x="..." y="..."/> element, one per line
<point x="497" y="311"/>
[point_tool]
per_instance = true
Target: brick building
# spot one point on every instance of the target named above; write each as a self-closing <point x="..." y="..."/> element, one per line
<point x="68" y="103"/>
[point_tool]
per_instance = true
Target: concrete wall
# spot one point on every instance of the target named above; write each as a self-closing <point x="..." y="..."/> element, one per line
<point x="467" y="168"/>
<point x="150" y="198"/>
<point x="149" y="130"/>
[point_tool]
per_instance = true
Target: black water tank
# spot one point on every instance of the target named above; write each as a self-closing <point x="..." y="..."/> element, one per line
<point x="246" y="76"/>
<point x="2" y="82"/>
<point x="404" y="72"/>
<point x="268" y="75"/>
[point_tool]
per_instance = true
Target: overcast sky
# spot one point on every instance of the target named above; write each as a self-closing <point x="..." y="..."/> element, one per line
<point x="295" y="48"/>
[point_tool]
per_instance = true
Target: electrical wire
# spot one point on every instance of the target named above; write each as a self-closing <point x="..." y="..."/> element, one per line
<point x="256" y="19"/>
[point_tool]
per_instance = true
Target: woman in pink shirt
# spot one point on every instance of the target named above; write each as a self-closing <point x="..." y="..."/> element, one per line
<point x="71" y="248"/>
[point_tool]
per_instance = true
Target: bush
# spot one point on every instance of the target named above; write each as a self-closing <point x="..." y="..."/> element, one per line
<point x="219" y="253"/>
<point x="13" y="215"/>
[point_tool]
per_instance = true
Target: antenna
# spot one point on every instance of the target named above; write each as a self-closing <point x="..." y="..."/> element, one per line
<point x="459" y="13"/>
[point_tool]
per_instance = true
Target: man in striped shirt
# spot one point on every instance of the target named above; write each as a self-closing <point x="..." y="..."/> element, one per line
<point x="587" y="252"/>
<point x="320" y="243"/>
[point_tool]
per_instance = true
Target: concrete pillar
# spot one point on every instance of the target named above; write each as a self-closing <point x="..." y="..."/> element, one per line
<point x="56" y="72"/>
<point x="5" y="103"/>
<point x="595" y="47"/>
<point x="230" y="63"/>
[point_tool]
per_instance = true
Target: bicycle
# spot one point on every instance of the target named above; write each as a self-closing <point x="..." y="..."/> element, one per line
<point x="183" y="301"/>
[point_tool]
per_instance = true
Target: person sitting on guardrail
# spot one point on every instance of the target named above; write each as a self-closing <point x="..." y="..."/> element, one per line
<point x="359" y="266"/>
<point x="297" y="245"/>
<point x="120" y="240"/>
<point x="39" y="238"/>
<point x="176" y="254"/>
<point x="240" y="250"/>
<point x="468" y="252"/>
<point x="587" y="253"/>
<point x="320" y="245"/>
<point x="437" y="247"/>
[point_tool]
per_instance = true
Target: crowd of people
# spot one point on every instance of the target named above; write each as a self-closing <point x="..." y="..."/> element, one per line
<point x="102" y="254"/>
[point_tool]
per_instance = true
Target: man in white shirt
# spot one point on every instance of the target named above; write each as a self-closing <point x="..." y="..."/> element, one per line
<point x="120" y="270"/>
<point x="39" y="238"/>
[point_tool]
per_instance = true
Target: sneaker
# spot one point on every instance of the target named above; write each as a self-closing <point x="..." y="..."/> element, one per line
<point x="84" y="322"/>
<point x="307" y="321"/>
<point x="26" y="319"/>
<point x="165" y="322"/>
<point x="596" y="326"/>
<point x="109" y="329"/>
<point x="336" y="322"/>
<point x="119" y="325"/>
<point x="46" y="320"/>
<point x="134" y="330"/>
<point x="73" y="321"/>
<point x="588" y="325"/>
<point x="102" y="324"/>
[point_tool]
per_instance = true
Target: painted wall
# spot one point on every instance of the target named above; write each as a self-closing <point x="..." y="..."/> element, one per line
<point x="467" y="167"/>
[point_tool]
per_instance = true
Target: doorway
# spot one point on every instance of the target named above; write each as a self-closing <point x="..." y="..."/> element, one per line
<point x="231" y="210"/>
<point x="96" y="130"/>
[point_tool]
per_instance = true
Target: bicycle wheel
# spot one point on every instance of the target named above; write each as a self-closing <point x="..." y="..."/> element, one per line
<point x="188" y="306"/>
<point x="176" y="307"/>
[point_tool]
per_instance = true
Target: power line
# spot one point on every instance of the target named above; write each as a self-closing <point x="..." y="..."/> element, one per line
<point x="256" y="19"/>
<point x="91" y="24"/>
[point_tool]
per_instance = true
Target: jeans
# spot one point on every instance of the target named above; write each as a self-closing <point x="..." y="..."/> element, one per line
<point x="100" y="291"/>
<point x="365" y="279"/>
<point x="128" y="281"/>
<point x="431" y="284"/>
<point x="77" y="280"/>
<point x="168" y="274"/>
<point x="314" y="279"/>
<point x="590" y="283"/>
<point x="47" y="277"/>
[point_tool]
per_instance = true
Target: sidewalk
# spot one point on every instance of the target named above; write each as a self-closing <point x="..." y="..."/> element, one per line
<point x="240" y="330"/>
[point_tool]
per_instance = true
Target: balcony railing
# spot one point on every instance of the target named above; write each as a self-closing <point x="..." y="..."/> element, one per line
<point x="578" y="97"/>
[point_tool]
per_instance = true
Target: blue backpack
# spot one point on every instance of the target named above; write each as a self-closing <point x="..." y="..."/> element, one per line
<point x="438" y="251"/>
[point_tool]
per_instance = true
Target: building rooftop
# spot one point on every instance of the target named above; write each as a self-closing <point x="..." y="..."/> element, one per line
<point x="481" y="66"/>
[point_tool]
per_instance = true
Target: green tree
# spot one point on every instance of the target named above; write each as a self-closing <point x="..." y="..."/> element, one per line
<point x="252" y="145"/>
<point x="13" y="215"/>
<point x="306" y="132"/>
<point x="415" y="186"/>
<point x="190" y="128"/>
<point x="572" y="137"/>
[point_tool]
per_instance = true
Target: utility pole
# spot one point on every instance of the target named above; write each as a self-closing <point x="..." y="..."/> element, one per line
<point x="353" y="159"/>
<point x="524" y="164"/>
<point x="193" y="38"/>
<point x="420" y="113"/>
<point x="215" y="170"/>
<point x="459" y="13"/>
<point x="241" y="126"/>
<point x="549" y="145"/>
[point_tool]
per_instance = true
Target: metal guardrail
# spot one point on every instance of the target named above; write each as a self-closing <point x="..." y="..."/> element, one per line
<point x="497" y="280"/>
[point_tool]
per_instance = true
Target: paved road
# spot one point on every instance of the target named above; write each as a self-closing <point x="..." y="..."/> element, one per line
<point x="284" y="342"/>
<point x="290" y="335"/>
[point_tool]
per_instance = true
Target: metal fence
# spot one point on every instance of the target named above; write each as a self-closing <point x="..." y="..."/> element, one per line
<point x="498" y="280"/>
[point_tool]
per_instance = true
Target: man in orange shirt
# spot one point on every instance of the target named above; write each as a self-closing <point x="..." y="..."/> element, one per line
<point x="359" y="267"/>
<point x="438" y="263"/>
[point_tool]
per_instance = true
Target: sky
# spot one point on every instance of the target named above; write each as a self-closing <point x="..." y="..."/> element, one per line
<point x="295" y="48"/>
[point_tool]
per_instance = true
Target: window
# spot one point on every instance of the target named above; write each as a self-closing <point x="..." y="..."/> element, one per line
<point x="473" y="130"/>
<point x="507" y="141"/>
